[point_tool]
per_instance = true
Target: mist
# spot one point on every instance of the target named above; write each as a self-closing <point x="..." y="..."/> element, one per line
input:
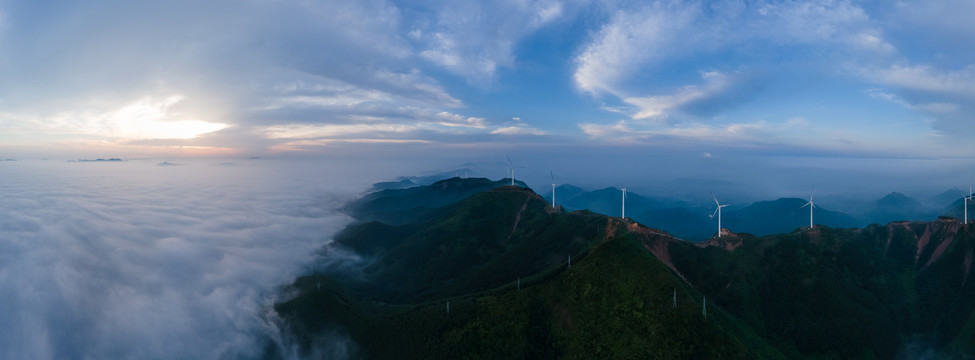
<point x="739" y="177"/>
<point x="135" y="260"/>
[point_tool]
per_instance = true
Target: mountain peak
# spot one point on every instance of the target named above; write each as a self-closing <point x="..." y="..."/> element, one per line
<point x="896" y="199"/>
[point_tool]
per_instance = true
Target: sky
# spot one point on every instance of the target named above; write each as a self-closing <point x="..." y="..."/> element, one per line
<point x="832" y="78"/>
<point x="276" y="112"/>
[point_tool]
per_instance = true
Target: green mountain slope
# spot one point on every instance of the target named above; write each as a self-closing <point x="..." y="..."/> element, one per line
<point x="415" y="204"/>
<point x="500" y="257"/>
<point x="486" y="240"/>
<point x="843" y="293"/>
<point x="615" y="301"/>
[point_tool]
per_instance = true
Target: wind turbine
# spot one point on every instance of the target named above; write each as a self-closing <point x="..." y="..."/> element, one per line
<point x="717" y="211"/>
<point x="553" y="187"/>
<point x="965" y="199"/>
<point x="511" y="170"/>
<point x="704" y="307"/>
<point x="624" y="204"/>
<point x="811" y="206"/>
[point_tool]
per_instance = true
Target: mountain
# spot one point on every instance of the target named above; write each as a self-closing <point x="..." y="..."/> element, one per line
<point x="900" y="290"/>
<point x="782" y="216"/>
<point x="940" y="201"/>
<point x="677" y="217"/>
<point x="692" y="222"/>
<point x="484" y="241"/>
<point x="609" y="201"/>
<point x="435" y="177"/>
<point x="897" y="207"/>
<point x="682" y="222"/>
<point x="394" y="185"/>
<point x="500" y="258"/>
<point x="400" y="206"/>
<point x="565" y="191"/>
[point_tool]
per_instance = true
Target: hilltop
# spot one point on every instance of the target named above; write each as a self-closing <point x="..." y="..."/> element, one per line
<point x="501" y="257"/>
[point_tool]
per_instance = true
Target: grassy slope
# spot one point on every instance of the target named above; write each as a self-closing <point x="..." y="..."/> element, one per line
<point x="489" y="239"/>
<point x="840" y="293"/>
<point x="615" y="302"/>
<point x="825" y="293"/>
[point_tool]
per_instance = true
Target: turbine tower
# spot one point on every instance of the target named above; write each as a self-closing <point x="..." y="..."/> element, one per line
<point x="717" y="211"/>
<point x="704" y="307"/>
<point x="553" y="187"/>
<point x="965" y="199"/>
<point x="624" y="204"/>
<point x="811" y="206"/>
<point x="511" y="170"/>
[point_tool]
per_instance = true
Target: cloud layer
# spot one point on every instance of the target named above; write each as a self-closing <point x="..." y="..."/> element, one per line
<point x="134" y="260"/>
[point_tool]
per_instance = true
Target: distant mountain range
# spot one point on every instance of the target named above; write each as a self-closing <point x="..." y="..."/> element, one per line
<point x="693" y="222"/>
<point x="473" y="268"/>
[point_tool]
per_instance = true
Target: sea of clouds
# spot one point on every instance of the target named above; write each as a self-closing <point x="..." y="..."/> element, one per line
<point x="143" y="259"/>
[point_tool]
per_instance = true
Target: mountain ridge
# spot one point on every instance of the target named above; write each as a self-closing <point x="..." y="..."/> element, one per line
<point x="785" y="295"/>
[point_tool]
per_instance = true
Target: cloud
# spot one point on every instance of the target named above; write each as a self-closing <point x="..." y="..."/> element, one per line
<point x="123" y="260"/>
<point x="109" y="72"/>
<point x="957" y="83"/>
<point x="633" y="38"/>
<point x="719" y="91"/>
<point x="474" y="39"/>
<point x="517" y="130"/>
<point x="738" y="133"/>
<point x="454" y="120"/>
<point x="517" y="127"/>
<point x="939" y="24"/>
<point x="639" y="42"/>
<point x="934" y="108"/>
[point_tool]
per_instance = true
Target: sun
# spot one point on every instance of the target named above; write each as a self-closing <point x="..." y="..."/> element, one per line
<point x="154" y="119"/>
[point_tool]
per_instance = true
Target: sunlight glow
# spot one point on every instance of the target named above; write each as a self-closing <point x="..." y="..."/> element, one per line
<point x="153" y="119"/>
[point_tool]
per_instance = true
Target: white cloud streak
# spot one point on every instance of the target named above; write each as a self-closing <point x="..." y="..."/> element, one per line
<point x="474" y="39"/>
<point x="636" y="40"/>
<point x="958" y="83"/>
<point x="660" y="106"/>
<point x="517" y="130"/>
